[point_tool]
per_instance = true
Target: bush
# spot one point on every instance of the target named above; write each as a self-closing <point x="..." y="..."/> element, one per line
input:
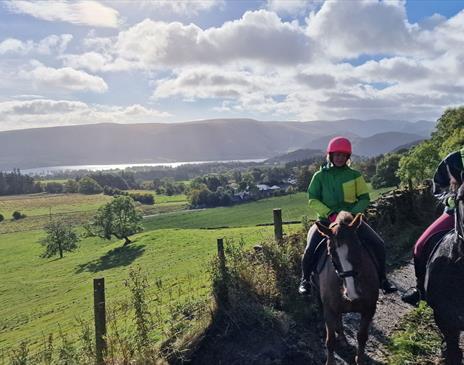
<point x="144" y="198"/>
<point x="1" y="217"/>
<point x="18" y="215"/>
<point x="87" y="185"/>
<point x="54" y="187"/>
<point x="71" y="186"/>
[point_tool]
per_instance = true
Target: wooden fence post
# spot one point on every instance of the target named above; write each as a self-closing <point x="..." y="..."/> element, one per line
<point x="223" y="293"/>
<point x="278" y="224"/>
<point x="100" y="319"/>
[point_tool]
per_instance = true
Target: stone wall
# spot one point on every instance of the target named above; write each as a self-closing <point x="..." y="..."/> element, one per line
<point x="401" y="215"/>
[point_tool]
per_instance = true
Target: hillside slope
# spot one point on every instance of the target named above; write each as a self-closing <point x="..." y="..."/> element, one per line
<point x="195" y="141"/>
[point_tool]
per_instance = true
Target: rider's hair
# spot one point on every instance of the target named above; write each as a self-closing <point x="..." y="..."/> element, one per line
<point x="330" y="163"/>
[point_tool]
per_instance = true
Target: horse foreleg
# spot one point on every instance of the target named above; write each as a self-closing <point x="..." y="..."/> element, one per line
<point x="330" y="327"/>
<point x="453" y="354"/>
<point x="363" y="333"/>
<point x="340" y="332"/>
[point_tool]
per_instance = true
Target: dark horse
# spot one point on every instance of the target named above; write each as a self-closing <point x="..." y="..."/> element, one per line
<point x="444" y="284"/>
<point x="348" y="282"/>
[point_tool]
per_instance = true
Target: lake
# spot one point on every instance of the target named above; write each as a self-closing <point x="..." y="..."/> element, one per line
<point x="51" y="169"/>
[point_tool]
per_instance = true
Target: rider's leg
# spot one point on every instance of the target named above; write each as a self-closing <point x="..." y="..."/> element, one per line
<point x="369" y="237"/>
<point x="422" y="250"/>
<point x="307" y="263"/>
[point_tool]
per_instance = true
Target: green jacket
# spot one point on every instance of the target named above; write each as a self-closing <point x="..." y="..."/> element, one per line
<point x="333" y="189"/>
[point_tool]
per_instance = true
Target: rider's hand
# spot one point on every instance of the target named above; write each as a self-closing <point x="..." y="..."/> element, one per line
<point x="450" y="202"/>
<point x="332" y="217"/>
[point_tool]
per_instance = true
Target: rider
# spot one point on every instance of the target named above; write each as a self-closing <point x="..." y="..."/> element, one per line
<point x="447" y="177"/>
<point x="336" y="187"/>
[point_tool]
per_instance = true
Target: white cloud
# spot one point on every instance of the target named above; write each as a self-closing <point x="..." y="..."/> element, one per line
<point x="181" y="7"/>
<point x="48" y="45"/>
<point x="259" y="36"/>
<point x="19" y="114"/>
<point x="348" y="29"/>
<point x="292" y="7"/>
<point x="393" y="70"/>
<point x="83" y="12"/>
<point x="204" y="82"/>
<point x="63" y="79"/>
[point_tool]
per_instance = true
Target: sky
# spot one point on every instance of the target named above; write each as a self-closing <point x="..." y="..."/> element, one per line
<point x="87" y="61"/>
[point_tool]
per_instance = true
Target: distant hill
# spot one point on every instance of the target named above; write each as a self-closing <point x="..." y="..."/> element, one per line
<point x="219" y="139"/>
<point x="374" y="145"/>
<point x="407" y="146"/>
<point x="298" y="155"/>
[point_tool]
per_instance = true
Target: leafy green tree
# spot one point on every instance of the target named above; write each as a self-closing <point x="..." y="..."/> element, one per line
<point x="419" y="164"/>
<point x="18" y="215"/>
<point x="87" y="185"/>
<point x="118" y="218"/>
<point x="53" y="187"/>
<point x="422" y="160"/>
<point x="448" y="134"/>
<point x="385" y="175"/>
<point x="60" y="238"/>
<point x="304" y="176"/>
<point x="71" y="186"/>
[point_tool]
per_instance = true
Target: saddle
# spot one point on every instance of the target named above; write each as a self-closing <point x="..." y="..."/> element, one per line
<point x="432" y="245"/>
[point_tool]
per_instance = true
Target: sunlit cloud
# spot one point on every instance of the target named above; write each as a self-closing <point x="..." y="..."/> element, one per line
<point x="18" y="114"/>
<point x="83" y="12"/>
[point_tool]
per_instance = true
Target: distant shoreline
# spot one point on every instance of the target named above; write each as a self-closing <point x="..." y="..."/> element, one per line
<point x="53" y="169"/>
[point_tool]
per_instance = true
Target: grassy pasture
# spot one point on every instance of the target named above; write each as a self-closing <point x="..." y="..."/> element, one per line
<point x="74" y="208"/>
<point x="293" y="206"/>
<point x="39" y="294"/>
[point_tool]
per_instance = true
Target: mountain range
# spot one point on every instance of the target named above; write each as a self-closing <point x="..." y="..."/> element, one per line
<point x="208" y="140"/>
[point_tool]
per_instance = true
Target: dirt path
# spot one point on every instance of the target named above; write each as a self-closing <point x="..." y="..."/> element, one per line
<point x="390" y="309"/>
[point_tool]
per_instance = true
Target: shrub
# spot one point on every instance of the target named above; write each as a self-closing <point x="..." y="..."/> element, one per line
<point x="144" y="198"/>
<point x="54" y="187"/>
<point x="87" y="185"/>
<point x="1" y="217"/>
<point x="18" y="215"/>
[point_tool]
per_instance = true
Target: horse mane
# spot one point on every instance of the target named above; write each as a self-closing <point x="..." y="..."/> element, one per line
<point x="343" y="218"/>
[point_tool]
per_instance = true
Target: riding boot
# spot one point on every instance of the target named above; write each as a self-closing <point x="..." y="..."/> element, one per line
<point x="372" y="240"/>
<point x="414" y="295"/>
<point x="308" y="261"/>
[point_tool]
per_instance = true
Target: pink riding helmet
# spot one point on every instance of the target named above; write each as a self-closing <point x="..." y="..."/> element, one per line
<point x="339" y="144"/>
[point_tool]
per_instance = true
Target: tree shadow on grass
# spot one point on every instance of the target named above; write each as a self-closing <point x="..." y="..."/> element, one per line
<point x="120" y="256"/>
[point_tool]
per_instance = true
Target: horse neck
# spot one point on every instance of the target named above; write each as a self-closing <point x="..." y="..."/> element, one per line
<point x="458" y="246"/>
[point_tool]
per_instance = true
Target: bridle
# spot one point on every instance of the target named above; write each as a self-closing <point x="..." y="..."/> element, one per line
<point x="336" y="263"/>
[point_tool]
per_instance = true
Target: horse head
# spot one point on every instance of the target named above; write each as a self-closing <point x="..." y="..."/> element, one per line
<point x="344" y="248"/>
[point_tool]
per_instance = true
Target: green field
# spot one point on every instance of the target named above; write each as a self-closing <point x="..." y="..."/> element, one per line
<point x="39" y="295"/>
<point x="74" y="208"/>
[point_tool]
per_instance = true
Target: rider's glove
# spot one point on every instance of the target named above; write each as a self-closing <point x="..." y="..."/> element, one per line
<point x="450" y="202"/>
<point x="332" y="217"/>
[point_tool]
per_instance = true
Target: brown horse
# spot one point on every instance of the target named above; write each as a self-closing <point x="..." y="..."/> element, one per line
<point x="348" y="282"/>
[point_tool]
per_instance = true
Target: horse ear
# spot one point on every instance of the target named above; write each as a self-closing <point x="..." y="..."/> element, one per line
<point x="357" y="221"/>
<point x="324" y="230"/>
